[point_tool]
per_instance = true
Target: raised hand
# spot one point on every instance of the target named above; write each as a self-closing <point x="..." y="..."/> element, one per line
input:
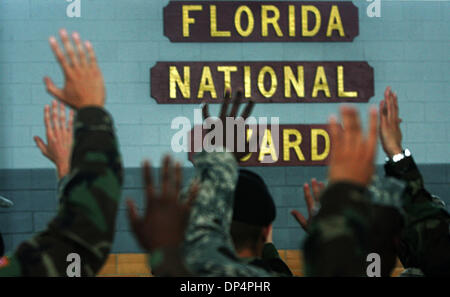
<point x="312" y="199"/>
<point x="352" y="154"/>
<point x="238" y="151"/>
<point x="165" y="219"/>
<point x="59" y="137"/>
<point x="390" y="132"/>
<point x="84" y="84"/>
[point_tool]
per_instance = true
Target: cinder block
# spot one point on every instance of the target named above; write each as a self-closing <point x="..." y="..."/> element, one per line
<point x="221" y="52"/>
<point x="19" y="238"/>
<point x="16" y="222"/>
<point x="14" y="9"/>
<point x="21" y="200"/>
<point x="383" y="51"/>
<point x="124" y="242"/>
<point x="280" y="237"/>
<point x="138" y="51"/>
<point x="44" y="200"/>
<point x="427" y="132"/>
<point x="15" y="179"/>
<point x="42" y="219"/>
<point x="437" y="112"/>
<point x="15" y="94"/>
<point x="437" y="153"/>
<point x="281" y="218"/>
<point x="122" y="223"/>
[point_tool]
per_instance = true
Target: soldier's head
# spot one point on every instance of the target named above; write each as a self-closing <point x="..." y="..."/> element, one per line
<point x="253" y="214"/>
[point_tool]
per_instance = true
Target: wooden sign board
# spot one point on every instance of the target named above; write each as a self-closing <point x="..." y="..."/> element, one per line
<point x="288" y="145"/>
<point x="260" y="21"/>
<point x="263" y="82"/>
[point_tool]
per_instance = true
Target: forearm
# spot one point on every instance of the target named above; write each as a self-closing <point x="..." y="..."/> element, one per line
<point x="425" y="239"/>
<point x="212" y="210"/>
<point x="89" y="200"/>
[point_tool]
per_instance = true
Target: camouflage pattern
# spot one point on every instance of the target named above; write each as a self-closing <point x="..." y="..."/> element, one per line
<point x="425" y="240"/>
<point x="88" y="206"/>
<point x="208" y="247"/>
<point x="352" y="223"/>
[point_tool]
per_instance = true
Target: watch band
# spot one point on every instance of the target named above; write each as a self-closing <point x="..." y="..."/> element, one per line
<point x="398" y="157"/>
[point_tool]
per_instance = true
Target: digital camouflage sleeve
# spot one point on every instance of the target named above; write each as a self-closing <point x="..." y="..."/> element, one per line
<point x="208" y="247"/>
<point x="425" y="241"/>
<point x="88" y="205"/>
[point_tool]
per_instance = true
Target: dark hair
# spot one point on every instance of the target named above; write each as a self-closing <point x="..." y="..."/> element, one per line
<point x="245" y="235"/>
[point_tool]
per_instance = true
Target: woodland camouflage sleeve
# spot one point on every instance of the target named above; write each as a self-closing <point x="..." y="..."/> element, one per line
<point x="338" y="236"/>
<point x="425" y="240"/>
<point x="86" y="218"/>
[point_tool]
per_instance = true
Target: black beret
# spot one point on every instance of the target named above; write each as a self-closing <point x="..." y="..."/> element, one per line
<point x="253" y="203"/>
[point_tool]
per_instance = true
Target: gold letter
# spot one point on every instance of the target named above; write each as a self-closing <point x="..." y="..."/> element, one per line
<point x="227" y="75"/>
<point x="267" y="147"/>
<point x="314" y="149"/>
<point x="288" y="144"/>
<point x="237" y="21"/>
<point x="249" y="135"/>
<point x="292" y="20"/>
<point x="207" y="83"/>
<point x="214" y="32"/>
<point x="335" y="22"/>
<point x="247" y="82"/>
<point x="290" y="80"/>
<point x="320" y="83"/>
<point x="265" y="20"/>
<point x="175" y="80"/>
<point x="340" y="79"/>
<point x="305" y="10"/>
<point x="274" y="82"/>
<point x="188" y="20"/>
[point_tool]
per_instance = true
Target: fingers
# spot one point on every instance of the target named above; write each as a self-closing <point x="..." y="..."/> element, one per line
<point x="56" y="120"/>
<point x="68" y="47"/>
<point x="166" y="177"/>
<point x="225" y="104"/>
<point x="316" y="189"/>
<point x="335" y="131"/>
<point x="350" y="121"/>
<point x="205" y="111"/>
<point x="41" y="145"/>
<point x="236" y="104"/>
<point x="91" y="53"/>
<point x="62" y="117"/>
<point x="148" y="184"/>
<point x="395" y="104"/>
<point x="373" y="133"/>
<point x="52" y="89"/>
<point x="80" y="49"/>
<point x="48" y="125"/>
<point x="70" y="123"/>
<point x="193" y="192"/>
<point x="178" y="180"/>
<point x="248" y="110"/>
<point x="132" y="214"/>
<point x="300" y="219"/>
<point x="59" y="54"/>
<point x="308" y="198"/>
